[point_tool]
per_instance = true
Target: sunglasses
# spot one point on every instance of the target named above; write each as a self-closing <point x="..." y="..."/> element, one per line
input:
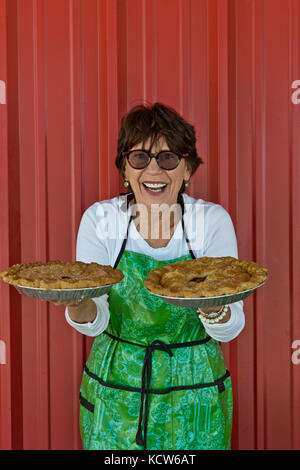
<point x="166" y="159"/>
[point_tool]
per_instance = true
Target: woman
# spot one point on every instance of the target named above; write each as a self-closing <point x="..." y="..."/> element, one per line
<point x="155" y="377"/>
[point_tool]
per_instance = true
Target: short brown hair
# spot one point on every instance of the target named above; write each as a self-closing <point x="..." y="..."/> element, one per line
<point x="144" y="122"/>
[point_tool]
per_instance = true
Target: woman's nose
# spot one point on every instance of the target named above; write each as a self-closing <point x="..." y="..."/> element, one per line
<point x="153" y="165"/>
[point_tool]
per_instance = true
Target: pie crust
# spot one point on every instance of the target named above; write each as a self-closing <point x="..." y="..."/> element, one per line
<point x="205" y="277"/>
<point x="60" y="275"/>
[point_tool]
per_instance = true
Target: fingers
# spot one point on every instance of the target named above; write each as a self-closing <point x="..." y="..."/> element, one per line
<point x="52" y="302"/>
<point x="68" y="303"/>
<point x="211" y="309"/>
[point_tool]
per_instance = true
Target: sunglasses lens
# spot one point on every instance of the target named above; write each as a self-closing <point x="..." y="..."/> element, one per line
<point x="168" y="160"/>
<point x="138" y="159"/>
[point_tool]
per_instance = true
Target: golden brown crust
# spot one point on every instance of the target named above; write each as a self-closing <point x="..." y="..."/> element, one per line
<point x="205" y="277"/>
<point x="60" y="275"/>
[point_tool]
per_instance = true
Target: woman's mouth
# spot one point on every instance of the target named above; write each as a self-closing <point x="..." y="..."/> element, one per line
<point x="154" y="187"/>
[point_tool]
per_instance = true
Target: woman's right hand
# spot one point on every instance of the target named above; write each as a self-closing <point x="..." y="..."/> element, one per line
<point x="80" y="311"/>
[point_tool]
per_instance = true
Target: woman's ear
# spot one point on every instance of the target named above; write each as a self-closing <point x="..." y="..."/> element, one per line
<point x="124" y="168"/>
<point x="188" y="172"/>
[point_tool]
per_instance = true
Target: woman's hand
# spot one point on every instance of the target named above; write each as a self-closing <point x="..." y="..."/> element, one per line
<point x="68" y="303"/>
<point x="80" y="311"/>
<point x="216" y="309"/>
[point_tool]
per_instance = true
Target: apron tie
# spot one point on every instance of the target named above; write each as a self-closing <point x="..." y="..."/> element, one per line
<point x="146" y="381"/>
<point x="141" y="438"/>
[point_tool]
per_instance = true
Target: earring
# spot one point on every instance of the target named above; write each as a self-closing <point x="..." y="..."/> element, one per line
<point x="126" y="184"/>
<point x="186" y="184"/>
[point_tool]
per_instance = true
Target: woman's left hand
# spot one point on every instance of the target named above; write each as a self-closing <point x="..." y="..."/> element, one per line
<point x="216" y="309"/>
<point x="211" y="309"/>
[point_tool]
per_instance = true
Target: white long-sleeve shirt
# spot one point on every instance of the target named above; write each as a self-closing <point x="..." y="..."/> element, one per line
<point x="210" y="231"/>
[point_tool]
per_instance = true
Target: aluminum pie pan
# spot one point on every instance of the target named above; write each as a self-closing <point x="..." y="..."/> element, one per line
<point x="64" y="294"/>
<point x="195" y="302"/>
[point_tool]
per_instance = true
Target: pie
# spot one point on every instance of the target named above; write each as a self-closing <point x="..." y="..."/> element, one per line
<point x="205" y="277"/>
<point x="59" y="275"/>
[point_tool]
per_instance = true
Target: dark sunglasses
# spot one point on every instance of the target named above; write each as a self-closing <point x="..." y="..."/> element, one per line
<point x="166" y="159"/>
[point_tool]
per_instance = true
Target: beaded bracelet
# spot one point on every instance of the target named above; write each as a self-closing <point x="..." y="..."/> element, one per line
<point x="207" y="318"/>
<point x="211" y="314"/>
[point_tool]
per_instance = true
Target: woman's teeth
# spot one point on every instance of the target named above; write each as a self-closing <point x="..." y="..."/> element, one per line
<point x="156" y="187"/>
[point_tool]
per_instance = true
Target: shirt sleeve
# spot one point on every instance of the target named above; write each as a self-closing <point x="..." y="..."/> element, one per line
<point x="100" y="323"/>
<point x="220" y="240"/>
<point x="91" y="248"/>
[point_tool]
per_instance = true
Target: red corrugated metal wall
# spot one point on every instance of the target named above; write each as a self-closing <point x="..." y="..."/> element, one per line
<point x="69" y="69"/>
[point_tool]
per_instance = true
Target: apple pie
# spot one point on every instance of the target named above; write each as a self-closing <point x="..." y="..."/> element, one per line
<point x="60" y="275"/>
<point x="205" y="277"/>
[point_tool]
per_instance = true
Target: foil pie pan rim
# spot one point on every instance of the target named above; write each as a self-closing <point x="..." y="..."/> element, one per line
<point x="195" y="302"/>
<point x="208" y="298"/>
<point x="43" y="289"/>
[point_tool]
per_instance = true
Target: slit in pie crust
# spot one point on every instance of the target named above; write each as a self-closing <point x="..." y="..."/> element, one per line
<point x="205" y="277"/>
<point x="60" y="275"/>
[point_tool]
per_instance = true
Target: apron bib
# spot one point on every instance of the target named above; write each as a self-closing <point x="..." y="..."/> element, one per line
<point x="154" y="379"/>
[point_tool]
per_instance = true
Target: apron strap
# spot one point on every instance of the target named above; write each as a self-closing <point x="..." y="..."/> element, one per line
<point x="128" y="199"/>
<point x="181" y="202"/>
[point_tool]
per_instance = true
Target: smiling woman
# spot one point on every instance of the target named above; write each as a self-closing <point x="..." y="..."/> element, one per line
<point x="159" y="128"/>
<point x="157" y="156"/>
<point x="156" y="377"/>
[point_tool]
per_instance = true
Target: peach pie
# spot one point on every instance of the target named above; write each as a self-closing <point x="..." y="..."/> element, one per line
<point x="59" y="275"/>
<point x="205" y="277"/>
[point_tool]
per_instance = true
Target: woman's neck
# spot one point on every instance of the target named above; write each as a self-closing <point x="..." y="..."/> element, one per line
<point x="156" y="224"/>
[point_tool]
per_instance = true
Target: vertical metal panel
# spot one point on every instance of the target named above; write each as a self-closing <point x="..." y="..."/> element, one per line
<point x="33" y="230"/>
<point x="5" y="372"/>
<point x="242" y="149"/>
<point x="63" y="171"/>
<point x="72" y="68"/>
<point x="12" y="192"/>
<point x="294" y="211"/>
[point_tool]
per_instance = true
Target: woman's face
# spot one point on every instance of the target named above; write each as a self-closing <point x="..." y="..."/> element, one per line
<point x="172" y="179"/>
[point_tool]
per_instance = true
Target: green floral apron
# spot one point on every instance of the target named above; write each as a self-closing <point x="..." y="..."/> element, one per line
<point x="154" y="379"/>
